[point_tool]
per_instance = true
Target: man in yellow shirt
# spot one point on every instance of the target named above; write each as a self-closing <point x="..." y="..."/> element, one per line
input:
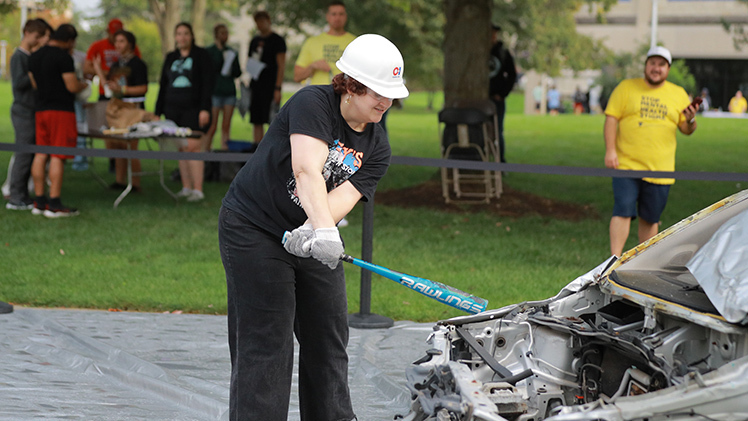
<point x="640" y="126"/>
<point x="318" y="55"/>
<point x="738" y="104"/>
<point x="316" y="61"/>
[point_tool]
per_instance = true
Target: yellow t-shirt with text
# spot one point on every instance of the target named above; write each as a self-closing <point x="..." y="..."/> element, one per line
<point x="738" y="105"/>
<point x="327" y="47"/>
<point x="648" y="119"/>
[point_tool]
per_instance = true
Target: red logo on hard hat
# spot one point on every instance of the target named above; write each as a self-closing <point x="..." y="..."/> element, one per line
<point x="396" y="71"/>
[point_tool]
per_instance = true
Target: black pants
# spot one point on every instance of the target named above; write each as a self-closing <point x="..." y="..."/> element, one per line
<point x="500" y="111"/>
<point x="273" y="295"/>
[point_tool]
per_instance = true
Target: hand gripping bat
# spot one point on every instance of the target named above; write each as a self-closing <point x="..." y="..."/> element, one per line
<point x="436" y="290"/>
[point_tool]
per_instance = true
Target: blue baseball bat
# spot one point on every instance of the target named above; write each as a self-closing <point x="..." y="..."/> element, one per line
<point x="444" y="293"/>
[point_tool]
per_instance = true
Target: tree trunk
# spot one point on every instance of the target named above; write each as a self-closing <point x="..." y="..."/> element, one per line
<point x="198" y="22"/>
<point x="467" y="43"/>
<point x="167" y="17"/>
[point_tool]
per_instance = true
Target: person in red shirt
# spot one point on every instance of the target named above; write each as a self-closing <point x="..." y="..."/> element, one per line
<point x="104" y="51"/>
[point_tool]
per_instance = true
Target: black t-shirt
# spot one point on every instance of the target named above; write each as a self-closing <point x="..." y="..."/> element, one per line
<point x="48" y="65"/>
<point x="133" y="72"/>
<point x="264" y="191"/>
<point x="501" y="71"/>
<point x="270" y="47"/>
<point x="186" y="82"/>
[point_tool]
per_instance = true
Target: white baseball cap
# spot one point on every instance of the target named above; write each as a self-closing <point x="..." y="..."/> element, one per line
<point x="661" y="52"/>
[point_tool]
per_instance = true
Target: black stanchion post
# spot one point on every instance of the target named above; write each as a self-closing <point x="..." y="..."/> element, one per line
<point x="5" y="308"/>
<point x="364" y="319"/>
<point x="367" y="253"/>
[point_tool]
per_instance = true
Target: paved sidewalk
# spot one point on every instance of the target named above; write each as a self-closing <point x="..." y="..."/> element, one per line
<point x="80" y="364"/>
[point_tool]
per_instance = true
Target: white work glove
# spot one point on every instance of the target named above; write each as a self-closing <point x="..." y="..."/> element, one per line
<point x="327" y="247"/>
<point x="299" y="241"/>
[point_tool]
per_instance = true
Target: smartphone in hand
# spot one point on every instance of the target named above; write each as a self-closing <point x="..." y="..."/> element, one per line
<point x="696" y="102"/>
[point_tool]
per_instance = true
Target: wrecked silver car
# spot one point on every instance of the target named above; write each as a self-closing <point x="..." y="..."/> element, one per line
<point x="659" y="334"/>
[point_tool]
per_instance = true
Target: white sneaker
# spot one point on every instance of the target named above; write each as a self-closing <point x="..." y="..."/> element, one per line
<point x="343" y="223"/>
<point x="196" y="196"/>
<point x="19" y="205"/>
<point x="185" y="192"/>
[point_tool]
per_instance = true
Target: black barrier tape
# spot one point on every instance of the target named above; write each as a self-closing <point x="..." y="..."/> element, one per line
<point x="559" y="170"/>
<point x="132" y="154"/>
<point x="397" y="160"/>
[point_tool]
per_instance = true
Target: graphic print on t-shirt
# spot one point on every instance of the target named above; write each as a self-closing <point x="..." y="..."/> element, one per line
<point x="331" y="52"/>
<point x="181" y="67"/>
<point x="342" y="162"/>
<point x="494" y="66"/>
<point x="110" y="57"/>
<point x="651" y="107"/>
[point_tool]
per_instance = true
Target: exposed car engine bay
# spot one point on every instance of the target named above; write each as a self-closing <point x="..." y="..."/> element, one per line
<point x="629" y="340"/>
<point x="576" y="358"/>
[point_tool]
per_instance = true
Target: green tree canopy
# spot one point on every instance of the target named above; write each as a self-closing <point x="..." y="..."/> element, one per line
<point x="7" y="6"/>
<point x="149" y="44"/>
<point x="546" y="33"/>
<point x="544" y="30"/>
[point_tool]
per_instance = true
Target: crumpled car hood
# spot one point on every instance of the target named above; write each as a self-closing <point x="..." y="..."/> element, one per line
<point x="721" y="268"/>
<point x="714" y="243"/>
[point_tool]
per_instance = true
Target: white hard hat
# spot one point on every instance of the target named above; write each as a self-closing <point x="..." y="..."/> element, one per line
<point x="374" y="61"/>
<point x="661" y="52"/>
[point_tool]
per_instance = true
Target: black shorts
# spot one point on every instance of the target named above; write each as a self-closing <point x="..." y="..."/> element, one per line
<point x="184" y="117"/>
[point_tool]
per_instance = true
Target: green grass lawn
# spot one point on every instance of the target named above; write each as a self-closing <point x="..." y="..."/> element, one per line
<point x="152" y="254"/>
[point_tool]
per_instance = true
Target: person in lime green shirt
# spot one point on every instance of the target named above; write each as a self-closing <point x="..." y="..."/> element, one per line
<point x="641" y="120"/>
<point x="738" y="104"/>
<point x="318" y="55"/>
<point x="316" y="61"/>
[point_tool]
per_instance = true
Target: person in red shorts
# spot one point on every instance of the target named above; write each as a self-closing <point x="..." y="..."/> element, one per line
<point x="52" y="74"/>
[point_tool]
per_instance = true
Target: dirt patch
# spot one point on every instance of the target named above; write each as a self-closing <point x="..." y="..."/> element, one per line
<point x="512" y="203"/>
